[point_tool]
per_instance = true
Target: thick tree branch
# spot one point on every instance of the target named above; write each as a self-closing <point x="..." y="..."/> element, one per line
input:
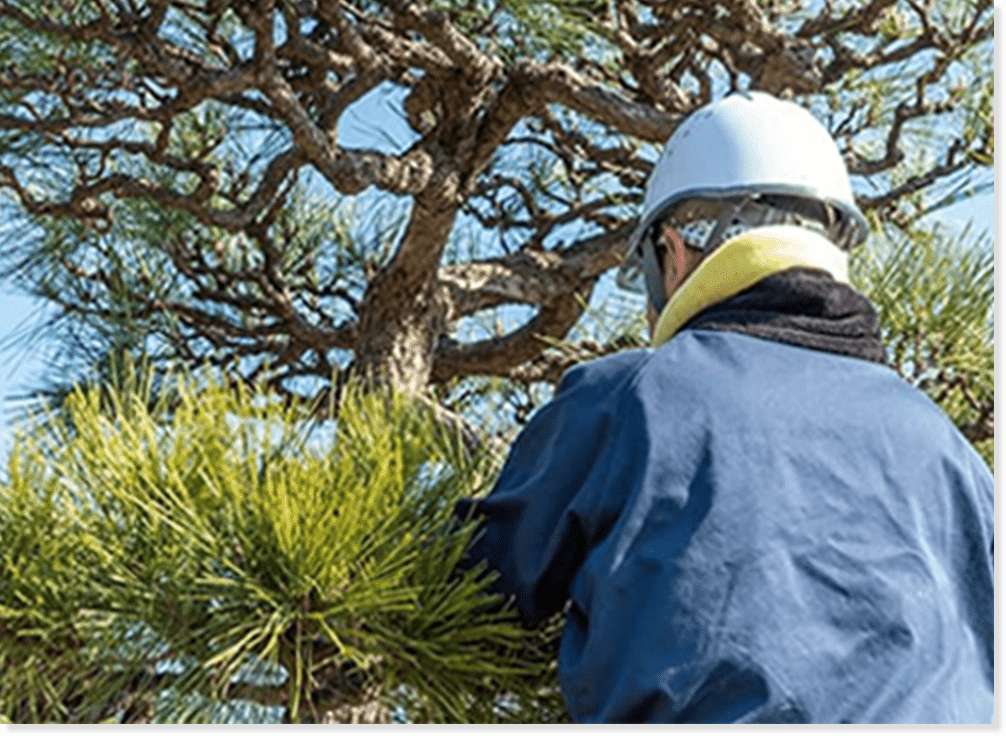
<point x="499" y="356"/>
<point x="551" y="278"/>
<point x="414" y="15"/>
<point x="558" y="83"/>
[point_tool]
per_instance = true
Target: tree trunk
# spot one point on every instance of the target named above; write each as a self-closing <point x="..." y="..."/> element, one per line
<point x="399" y="334"/>
<point x="404" y="314"/>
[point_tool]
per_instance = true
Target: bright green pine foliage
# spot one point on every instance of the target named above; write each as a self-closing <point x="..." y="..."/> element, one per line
<point x="935" y="294"/>
<point x="225" y="530"/>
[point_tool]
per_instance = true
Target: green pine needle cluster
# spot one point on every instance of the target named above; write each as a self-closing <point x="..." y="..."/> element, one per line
<point x="934" y="292"/>
<point x="178" y="546"/>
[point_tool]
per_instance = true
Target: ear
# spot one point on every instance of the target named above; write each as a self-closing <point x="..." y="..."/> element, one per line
<point x="677" y="252"/>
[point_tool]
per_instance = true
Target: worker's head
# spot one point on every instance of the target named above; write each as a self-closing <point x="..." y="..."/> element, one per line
<point x="747" y="161"/>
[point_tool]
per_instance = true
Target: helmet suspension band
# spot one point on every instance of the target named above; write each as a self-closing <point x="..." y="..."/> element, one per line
<point x="725" y="220"/>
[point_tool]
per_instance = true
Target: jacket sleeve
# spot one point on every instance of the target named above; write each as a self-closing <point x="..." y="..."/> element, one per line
<point x="529" y="532"/>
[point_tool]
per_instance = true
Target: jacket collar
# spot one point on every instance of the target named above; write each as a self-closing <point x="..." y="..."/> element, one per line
<point x="742" y="262"/>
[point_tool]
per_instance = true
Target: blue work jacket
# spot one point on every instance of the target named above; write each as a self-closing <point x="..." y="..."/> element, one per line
<point x="748" y="531"/>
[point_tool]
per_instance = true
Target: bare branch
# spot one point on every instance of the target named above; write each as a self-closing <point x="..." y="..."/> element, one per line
<point x="558" y="83"/>
<point x="499" y="356"/>
<point x="436" y="26"/>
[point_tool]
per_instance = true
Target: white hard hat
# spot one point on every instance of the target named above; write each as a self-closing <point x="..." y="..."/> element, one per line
<point x="748" y="144"/>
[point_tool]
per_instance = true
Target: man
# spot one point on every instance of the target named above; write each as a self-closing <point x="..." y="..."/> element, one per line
<point x="757" y="520"/>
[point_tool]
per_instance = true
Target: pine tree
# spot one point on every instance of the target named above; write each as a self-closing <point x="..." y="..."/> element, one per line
<point x="180" y="178"/>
